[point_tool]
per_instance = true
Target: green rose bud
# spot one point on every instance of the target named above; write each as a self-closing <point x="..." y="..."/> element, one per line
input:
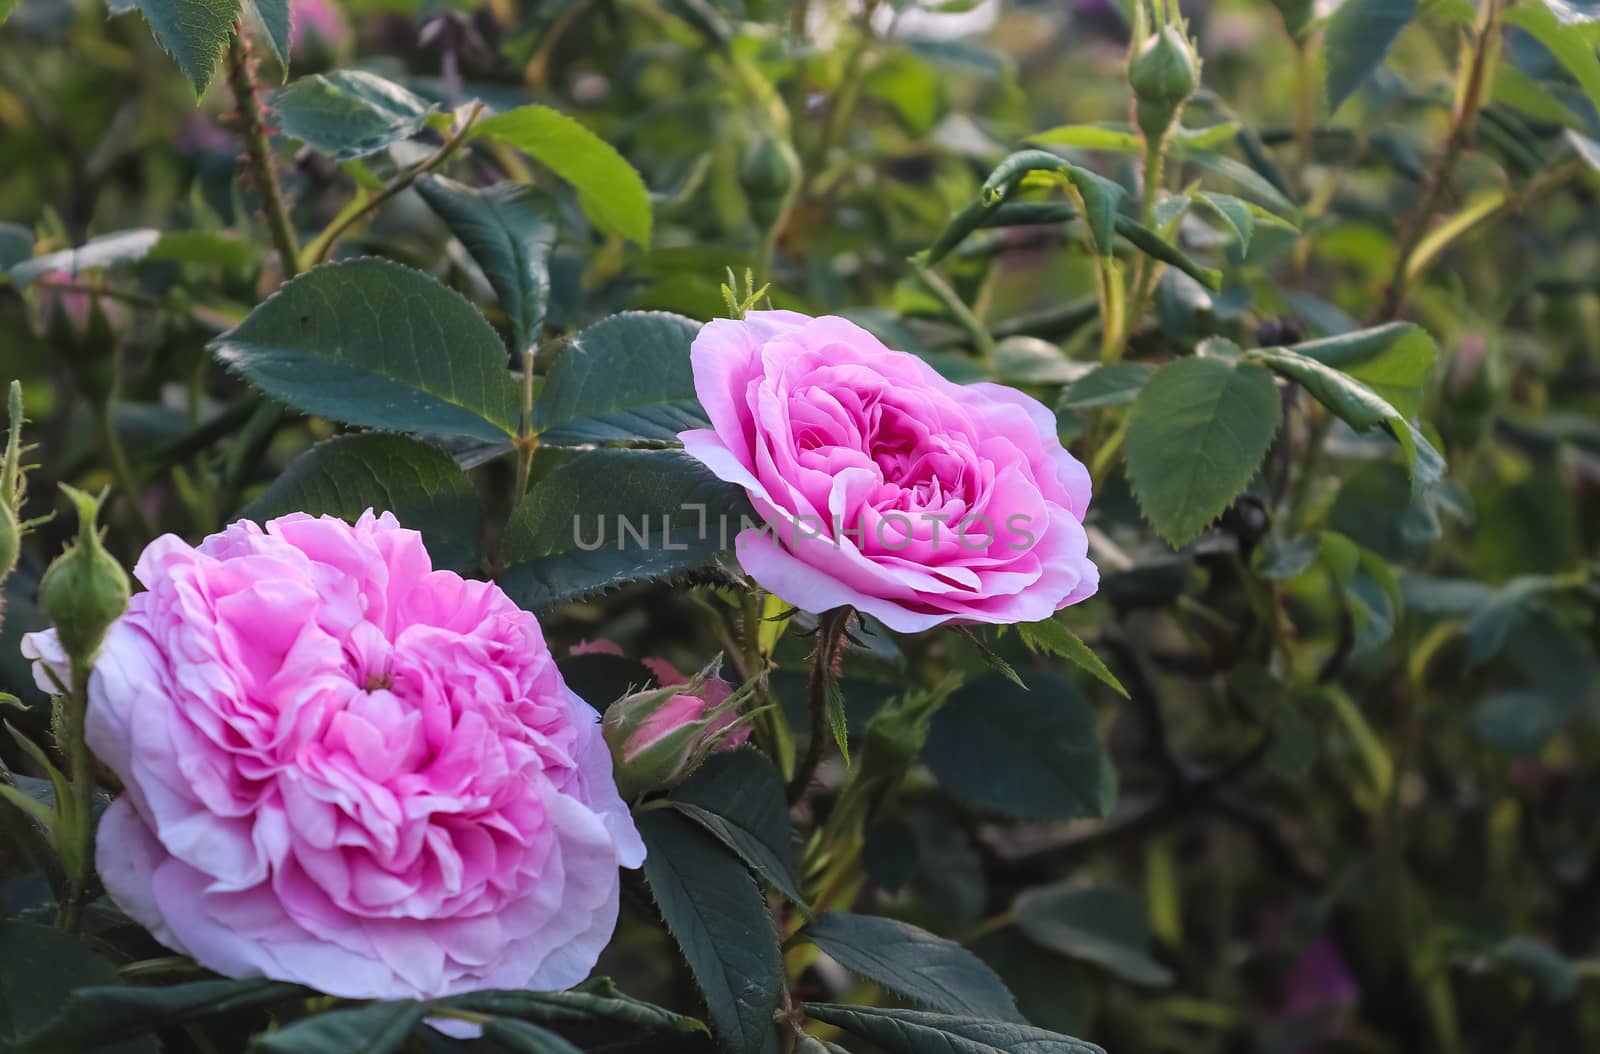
<point x="769" y="173"/>
<point x="1164" y="74"/>
<point x="658" y="737"/>
<point x="84" y="590"/>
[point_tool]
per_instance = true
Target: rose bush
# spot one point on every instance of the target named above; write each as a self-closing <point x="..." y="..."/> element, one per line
<point x="1091" y="509"/>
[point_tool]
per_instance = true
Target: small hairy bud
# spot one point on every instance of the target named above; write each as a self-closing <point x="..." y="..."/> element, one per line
<point x="769" y="173"/>
<point x="1164" y="74"/>
<point x="84" y="590"/>
<point x="658" y="737"/>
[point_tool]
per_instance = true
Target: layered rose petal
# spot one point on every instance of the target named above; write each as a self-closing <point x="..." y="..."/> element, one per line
<point x="346" y="769"/>
<point x="884" y="486"/>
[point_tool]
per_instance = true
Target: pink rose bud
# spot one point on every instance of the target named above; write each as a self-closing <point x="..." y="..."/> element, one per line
<point x="657" y="737"/>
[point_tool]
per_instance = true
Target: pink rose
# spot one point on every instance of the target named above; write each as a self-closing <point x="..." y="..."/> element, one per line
<point x="346" y="769"/>
<point x="884" y="486"/>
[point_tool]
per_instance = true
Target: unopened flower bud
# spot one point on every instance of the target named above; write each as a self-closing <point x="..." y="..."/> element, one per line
<point x="658" y="737"/>
<point x="84" y="590"/>
<point x="1163" y="75"/>
<point x="769" y="172"/>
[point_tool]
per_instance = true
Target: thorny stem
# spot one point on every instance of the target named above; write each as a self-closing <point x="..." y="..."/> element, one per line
<point x="830" y="638"/>
<point x="80" y="828"/>
<point x="1466" y="115"/>
<point x="241" y="79"/>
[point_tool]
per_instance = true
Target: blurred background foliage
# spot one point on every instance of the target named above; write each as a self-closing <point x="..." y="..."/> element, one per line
<point x="1357" y="778"/>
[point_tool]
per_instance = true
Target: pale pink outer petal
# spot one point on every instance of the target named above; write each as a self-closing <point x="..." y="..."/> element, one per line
<point x="44" y="650"/>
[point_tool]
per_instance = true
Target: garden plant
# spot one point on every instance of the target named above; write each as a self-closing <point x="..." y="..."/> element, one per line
<point x="966" y="527"/>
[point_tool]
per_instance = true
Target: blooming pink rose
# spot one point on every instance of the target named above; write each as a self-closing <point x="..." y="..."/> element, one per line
<point x="885" y="486"/>
<point x="346" y="769"/>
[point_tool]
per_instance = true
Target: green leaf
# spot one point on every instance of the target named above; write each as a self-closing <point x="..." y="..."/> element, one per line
<point x="1103" y="926"/>
<point x="1556" y="975"/>
<point x="1153" y="245"/>
<point x="1359" y="407"/>
<point x="1101" y="197"/>
<point x="1114" y="138"/>
<point x="838" y="719"/>
<point x="1117" y="384"/>
<point x="1052" y="636"/>
<point x="920" y="1032"/>
<point x="1235" y="213"/>
<point x="1248" y="179"/>
<point x="510" y="230"/>
<point x="610" y="191"/>
<point x="16" y="245"/>
<point x="370" y="342"/>
<point x="1393" y="360"/>
<point x="92" y="1017"/>
<point x="913" y="963"/>
<point x="720" y="920"/>
<point x="1520" y="721"/>
<point x="193" y="31"/>
<point x="274" y="15"/>
<point x="595" y="1002"/>
<point x="349" y="113"/>
<point x="108" y="250"/>
<point x="41" y="965"/>
<point x="1031" y="752"/>
<point x="625" y="378"/>
<point x="6" y="7"/>
<point x="1358" y="36"/>
<point x="204" y="247"/>
<point x="1491" y="621"/>
<point x="1514" y="88"/>
<point x="1370" y="589"/>
<point x="739" y="797"/>
<point x="519" y="1037"/>
<point x="378" y="1028"/>
<point x="609" y="517"/>
<point x="349" y="474"/>
<point x="1207" y="138"/>
<point x="1571" y="44"/>
<point x="1196" y="434"/>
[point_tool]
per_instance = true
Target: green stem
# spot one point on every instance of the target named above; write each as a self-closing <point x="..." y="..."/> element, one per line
<point x="1478" y="76"/>
<point x="830" y="637"/>
<point x="969" y="322"/>
<point x="1145" y="269"/>
<point x="241" y="78"/>
<point x="754" y="667"/>
<point x="527" y="441"/>
<point x="78" y="856"/>
<point x="319" y="249"/>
